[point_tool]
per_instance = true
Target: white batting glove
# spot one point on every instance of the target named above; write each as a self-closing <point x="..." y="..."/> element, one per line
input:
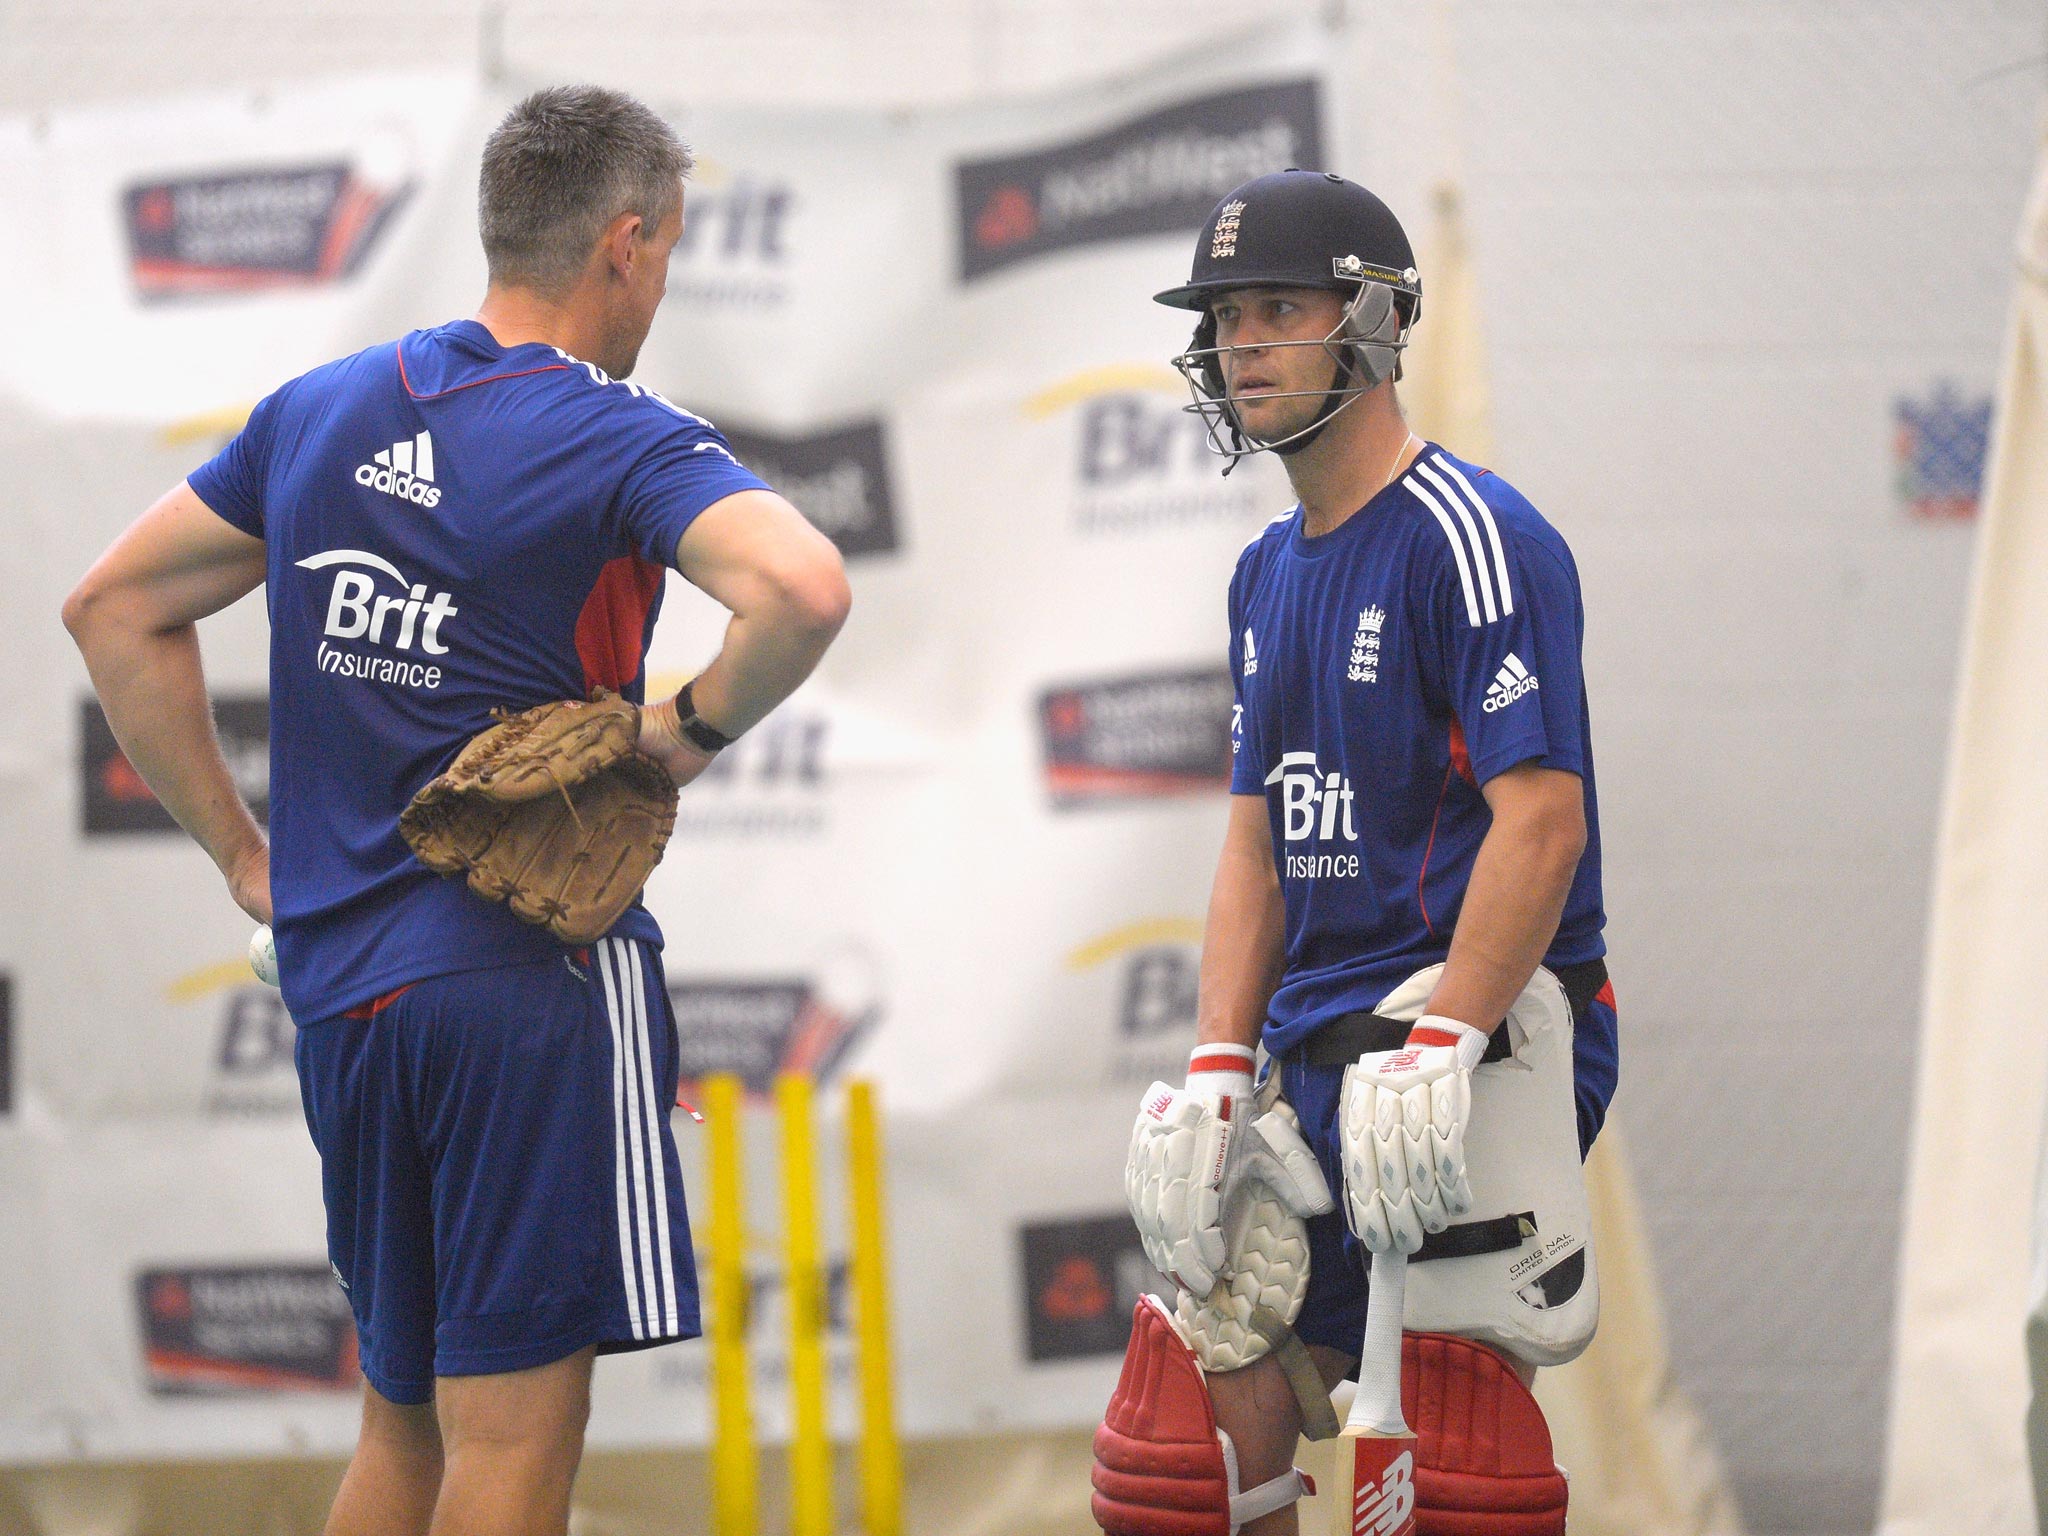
<point x="1403" y="1135"/>
<point x="1189" y="1149"/>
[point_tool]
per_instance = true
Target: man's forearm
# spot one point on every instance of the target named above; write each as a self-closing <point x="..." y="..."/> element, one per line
<point x="764" y="659"/>
<point x="1520" y="879"/>
<point x="1243" y="948"/>
<point x="153" y="689"/>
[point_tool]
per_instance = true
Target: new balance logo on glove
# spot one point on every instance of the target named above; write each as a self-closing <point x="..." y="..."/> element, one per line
<point x="1509" y="684"/>
<point x="404" y="470"/>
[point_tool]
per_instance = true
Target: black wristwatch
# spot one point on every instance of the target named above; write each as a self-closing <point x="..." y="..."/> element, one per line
<point x="695" y="729"/>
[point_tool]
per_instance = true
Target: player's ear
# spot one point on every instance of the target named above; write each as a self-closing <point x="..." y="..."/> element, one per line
<point x="622" y="238"/>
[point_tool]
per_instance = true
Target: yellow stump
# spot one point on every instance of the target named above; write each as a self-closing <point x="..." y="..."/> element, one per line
<point x="810" y="1451"/>
<point x="881" y="1464"/>
<point x="732" y="1440"/>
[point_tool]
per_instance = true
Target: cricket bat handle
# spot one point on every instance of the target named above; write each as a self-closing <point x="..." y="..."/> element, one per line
<point x="1376" y="1408"/>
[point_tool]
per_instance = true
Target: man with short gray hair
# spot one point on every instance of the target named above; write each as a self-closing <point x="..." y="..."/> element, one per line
<point x="475" y="520"/>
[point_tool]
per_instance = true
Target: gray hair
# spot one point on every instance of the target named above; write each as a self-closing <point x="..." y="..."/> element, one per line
<point x="562" y="165"/>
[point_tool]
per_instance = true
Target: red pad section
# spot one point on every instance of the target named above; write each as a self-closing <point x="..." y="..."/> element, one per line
<point x="1158" y="1465"/>
<point x="1483" y="1461"/>
<point x="612" y="628"/>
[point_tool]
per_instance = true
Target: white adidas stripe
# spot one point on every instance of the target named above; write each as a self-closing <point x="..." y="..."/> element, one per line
<point x="1277" y="517"/>
<point x="646" y="1245"/>
<point x="1483" y="578"/>
<point x="1514" y="664"/>
<point x="662" y="1256"/>
<point x="636" y="1142"/>
<point x="1462" y="513"/>
<point x="1500" y="559"/>
<point x="634" y="391"/>
<point x="622" y="1170"/>
<point x="1427" y="497"/>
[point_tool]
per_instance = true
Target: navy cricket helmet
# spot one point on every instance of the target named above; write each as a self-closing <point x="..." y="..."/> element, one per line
<point x="1301" y="229"/>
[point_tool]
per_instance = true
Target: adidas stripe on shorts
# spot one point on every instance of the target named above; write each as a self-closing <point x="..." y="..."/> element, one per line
<point x="499" y="1172"/>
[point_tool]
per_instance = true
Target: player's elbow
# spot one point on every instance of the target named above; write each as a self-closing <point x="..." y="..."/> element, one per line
<point x="1560" y="827"/>
<point x="1541" y="809"/>
<point x="85" y="609"/>
<point x="1544" y="815"/>
<point x="811" y="593"/>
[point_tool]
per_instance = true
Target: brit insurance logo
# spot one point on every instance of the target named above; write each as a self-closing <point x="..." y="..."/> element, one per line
<point x="262" y="228"/>
<point x="1318" y="808"/>
<point x="235" y="1328"/>
<point x="251" y="1073"/>
<point x="1939" y="445"/>
<point x="772" y="783"/>
<point x="1140" y="463"/>
<point x="372" y="603"/>
<point x="1146" y="976"/>
<point x="1139" y="737"/>
<point x="735" y="246"/>
<point x="839" y="479"/>
<point x="116" y="800"/>
<point x="760" y="1027"/>
<point x="1154" y="174"/>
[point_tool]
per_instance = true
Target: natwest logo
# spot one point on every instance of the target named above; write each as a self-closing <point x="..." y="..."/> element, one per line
<point x="1152" y="174"/>
<point x="249" y="230"/>
<point x="115" y="798"/>
<point x="1137" y="737"/>
<point x="1083" y="1276"/>
<point x="839" y="477"/>
<point x="356" y="610"/>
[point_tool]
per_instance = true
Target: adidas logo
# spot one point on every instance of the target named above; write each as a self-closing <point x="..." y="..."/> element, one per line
<point x="1251" y="654"/>
<point x="1509" y="684"/>
<point x="404" y="470"/>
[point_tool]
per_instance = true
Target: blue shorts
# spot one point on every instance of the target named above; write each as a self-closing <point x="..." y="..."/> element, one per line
<point x="500" y="1177"/>
<point x="1333" y="1312"/>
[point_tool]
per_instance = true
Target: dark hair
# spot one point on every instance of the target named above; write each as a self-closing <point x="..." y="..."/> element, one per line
<point x="562" y="165"/>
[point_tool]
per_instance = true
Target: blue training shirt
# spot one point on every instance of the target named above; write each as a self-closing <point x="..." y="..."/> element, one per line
<point x="452" y="527"/>
<point x="1385" y="671"/>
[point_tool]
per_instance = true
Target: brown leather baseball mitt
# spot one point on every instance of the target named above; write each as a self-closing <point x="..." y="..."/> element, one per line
<point x="553" y="811"/>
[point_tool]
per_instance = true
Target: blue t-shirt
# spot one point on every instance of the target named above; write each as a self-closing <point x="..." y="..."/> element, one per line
<point x="1385" y="671"/>
<point x="452" y="527"/>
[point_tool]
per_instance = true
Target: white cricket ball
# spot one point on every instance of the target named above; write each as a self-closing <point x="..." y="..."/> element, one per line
<point x="263" y="955"/>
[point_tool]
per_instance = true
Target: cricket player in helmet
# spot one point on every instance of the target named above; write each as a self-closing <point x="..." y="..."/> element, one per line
<point x="1406" y="916"/>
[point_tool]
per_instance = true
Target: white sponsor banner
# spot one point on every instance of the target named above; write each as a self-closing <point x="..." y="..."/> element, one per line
<point x="967" y="860"/>
<point x="188" y="256"/>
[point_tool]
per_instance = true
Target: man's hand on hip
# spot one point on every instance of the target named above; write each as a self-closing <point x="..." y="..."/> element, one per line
<point x="249" y="881"/>
<point x="661" y="739"/>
